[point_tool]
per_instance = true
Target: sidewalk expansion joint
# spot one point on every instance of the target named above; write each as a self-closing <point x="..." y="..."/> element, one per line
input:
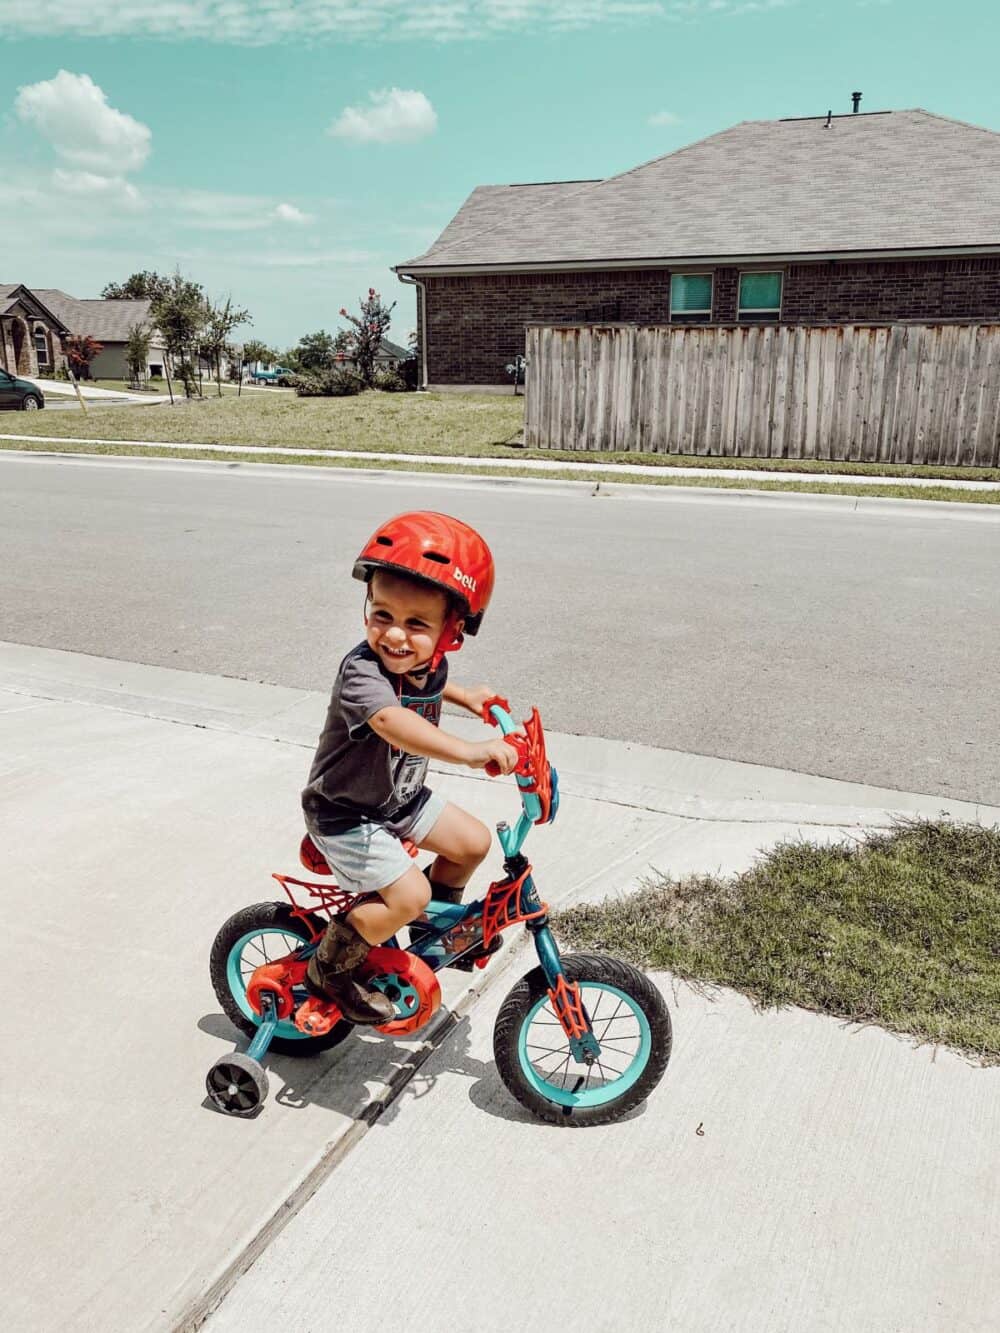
<point x="196" y="1314"/>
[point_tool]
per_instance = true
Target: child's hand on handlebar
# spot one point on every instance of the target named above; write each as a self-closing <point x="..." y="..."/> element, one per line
<point x="495" y="752"/>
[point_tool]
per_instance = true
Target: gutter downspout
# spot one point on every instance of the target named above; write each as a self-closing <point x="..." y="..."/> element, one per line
<point x="414" y="282"/>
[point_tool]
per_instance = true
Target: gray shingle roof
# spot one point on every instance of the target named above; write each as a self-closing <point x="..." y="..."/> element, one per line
<point x="897" y="180"/>
<point x="107" y="321"/>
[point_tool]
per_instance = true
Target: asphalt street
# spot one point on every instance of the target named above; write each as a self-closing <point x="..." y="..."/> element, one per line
<point x="849" y="639"/>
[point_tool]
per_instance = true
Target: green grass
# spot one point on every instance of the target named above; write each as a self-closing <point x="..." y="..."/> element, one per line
<point x="901" y="929"/>
<point x="477" y="425"/>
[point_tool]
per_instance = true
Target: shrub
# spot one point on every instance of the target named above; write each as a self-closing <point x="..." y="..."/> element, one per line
<point x="329" y="384"/>
<point x="389" y="381"/>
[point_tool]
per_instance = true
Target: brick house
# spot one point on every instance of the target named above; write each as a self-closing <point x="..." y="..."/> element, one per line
<point x="34" y="321"/>
<point x="31" y="334"/>
<point x="868" y="217"/>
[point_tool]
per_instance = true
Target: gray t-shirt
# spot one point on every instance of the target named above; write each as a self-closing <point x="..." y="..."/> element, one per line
<point x="355" y="774"/>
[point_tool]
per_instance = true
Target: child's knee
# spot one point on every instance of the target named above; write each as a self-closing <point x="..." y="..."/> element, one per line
<point x="480" y="842"/>
<point x="409" y="895"/>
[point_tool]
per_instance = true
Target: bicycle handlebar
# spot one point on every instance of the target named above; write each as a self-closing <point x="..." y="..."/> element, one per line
<point x="536" y="779"/>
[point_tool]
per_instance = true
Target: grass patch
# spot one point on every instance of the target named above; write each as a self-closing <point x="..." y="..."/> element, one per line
<point x="477" y="425"/>
<point x="901" y="929"/>
<point x="589" y="475"/>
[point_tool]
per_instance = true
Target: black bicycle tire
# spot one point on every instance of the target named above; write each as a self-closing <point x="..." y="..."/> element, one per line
<point x="531" y="988"/>
<point x="274" y="916"/>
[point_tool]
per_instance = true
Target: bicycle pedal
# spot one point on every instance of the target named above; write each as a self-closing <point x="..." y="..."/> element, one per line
<point x="315" y="1017"/>
<point x="479" y="957"/>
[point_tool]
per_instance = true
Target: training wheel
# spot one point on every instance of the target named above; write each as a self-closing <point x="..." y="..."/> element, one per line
<point x="237" y="1084"/>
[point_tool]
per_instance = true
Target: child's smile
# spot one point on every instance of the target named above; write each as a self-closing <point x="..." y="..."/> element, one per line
<point x="404" y="622"/>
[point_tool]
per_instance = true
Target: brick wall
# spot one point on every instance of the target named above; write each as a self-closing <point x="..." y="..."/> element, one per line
<point x="475" y="325"/>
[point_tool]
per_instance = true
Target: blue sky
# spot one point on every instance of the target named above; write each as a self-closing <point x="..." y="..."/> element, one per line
<point x="291" y="151"/>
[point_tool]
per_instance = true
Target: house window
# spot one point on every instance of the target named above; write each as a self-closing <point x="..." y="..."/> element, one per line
<point x="690" y="298"/>
<point x="41" y="348"/>
<point x="760" y="297"/>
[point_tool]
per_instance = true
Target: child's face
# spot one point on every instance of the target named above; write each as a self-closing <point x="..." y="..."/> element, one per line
<point x="404" y="621"/>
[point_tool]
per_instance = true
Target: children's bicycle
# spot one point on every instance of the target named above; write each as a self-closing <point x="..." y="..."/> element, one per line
<point x="580" y="1039"/>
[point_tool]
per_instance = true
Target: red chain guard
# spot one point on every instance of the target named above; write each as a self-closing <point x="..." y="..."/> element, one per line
<point x="315" y="1017"/>
<point x="502" y="907"/>
<point x="569" y="1008"/>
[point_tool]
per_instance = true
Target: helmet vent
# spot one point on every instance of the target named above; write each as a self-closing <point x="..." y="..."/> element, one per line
<point x="436" y="555"/>
<point x="384" y="541"/>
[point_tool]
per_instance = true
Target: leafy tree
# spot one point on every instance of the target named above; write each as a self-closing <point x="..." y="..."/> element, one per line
<point x="221" y="318"/>
<point x="144" y="286"/>
<point x="315" y="351"/>
<point x="137" y="352"/>
<point x="368" y="332"/>
<point x="181" y="314"/>
<point x="255" y="350"/>
<point x="81" y="349"/>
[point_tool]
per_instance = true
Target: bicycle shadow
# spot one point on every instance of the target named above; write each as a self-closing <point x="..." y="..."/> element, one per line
<point x="336" y="1079"/>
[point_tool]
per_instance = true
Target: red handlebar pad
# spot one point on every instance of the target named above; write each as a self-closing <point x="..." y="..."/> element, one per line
<point x="487" y="715"/>
<point x="532" y="763"/>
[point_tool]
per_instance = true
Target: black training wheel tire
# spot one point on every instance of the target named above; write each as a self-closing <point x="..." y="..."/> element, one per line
<point x="237" y="1085"/>
<point x="266" y="917"/>
<point x="533" y="987"/>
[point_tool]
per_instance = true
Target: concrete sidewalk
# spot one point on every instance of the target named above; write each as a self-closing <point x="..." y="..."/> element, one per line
<point x="842" y="1179"/>
<point x="609" y="471"/>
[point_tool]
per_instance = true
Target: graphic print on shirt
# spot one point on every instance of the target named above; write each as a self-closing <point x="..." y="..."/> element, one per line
<point x="410" y="770"/>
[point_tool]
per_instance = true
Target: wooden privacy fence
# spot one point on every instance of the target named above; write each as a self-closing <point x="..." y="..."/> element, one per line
<point x="901" y="393"/>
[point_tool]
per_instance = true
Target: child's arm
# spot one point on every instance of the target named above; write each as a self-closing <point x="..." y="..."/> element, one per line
<point x="471" y="697"/>
<point x="408" y="731"/>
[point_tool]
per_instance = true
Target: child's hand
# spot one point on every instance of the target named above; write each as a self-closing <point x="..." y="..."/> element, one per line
<point x="493" y="752"/>
<point x="476" y="697"/>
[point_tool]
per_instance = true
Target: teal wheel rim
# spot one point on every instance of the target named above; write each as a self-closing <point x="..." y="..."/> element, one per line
<point x="264" y="945"/>
<point x="403" y="994"/>
<point x="622" y="1030"/>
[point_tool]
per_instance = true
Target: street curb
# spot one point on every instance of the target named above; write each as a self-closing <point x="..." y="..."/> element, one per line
<point x="599" y="489"/>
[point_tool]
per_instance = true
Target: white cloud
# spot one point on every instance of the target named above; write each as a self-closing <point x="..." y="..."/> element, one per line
<point x="73" y="113"/>
<point x="394" y="115"/>
<point x="264" y="22"/>
<point x="289" y="213"/>
<point x="110" y="188"/>
<point x="664" y="118"/>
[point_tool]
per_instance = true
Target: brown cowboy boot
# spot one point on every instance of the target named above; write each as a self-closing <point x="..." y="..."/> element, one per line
<point x="330" y="975"/>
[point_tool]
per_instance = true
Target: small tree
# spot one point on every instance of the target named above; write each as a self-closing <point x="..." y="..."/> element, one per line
<point x="221" y="318"/>
<point x="181" y="315"/>
<point x="137" y="352"/>
<point x="256" y="351"/>
<point x="81" y="349"/>
<point x="369" y="330"/>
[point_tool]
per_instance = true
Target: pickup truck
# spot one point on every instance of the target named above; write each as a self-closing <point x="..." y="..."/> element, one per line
<point x="276" y="375"/>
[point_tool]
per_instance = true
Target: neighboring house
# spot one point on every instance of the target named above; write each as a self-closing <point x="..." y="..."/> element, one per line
<point x="390" y="356"/>
<point x="31" y="333"/>
<point x="109" y="323"/>
<point x="868" y="217"/>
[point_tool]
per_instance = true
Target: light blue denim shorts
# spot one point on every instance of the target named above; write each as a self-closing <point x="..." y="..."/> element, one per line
<point x="369" y="858"/>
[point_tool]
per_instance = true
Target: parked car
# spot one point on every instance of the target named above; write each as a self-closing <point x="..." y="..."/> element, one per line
<point x="20" y="394"/>
<point x="278" y="375"/>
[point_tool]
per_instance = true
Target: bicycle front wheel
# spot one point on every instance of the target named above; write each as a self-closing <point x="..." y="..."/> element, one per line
<point x="630" y="1020"/>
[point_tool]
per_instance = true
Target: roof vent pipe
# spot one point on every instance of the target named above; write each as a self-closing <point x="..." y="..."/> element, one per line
<point x="856" y="100"/>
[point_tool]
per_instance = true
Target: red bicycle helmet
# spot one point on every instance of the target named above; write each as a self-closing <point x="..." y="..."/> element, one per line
<point x="439" y="550"/>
